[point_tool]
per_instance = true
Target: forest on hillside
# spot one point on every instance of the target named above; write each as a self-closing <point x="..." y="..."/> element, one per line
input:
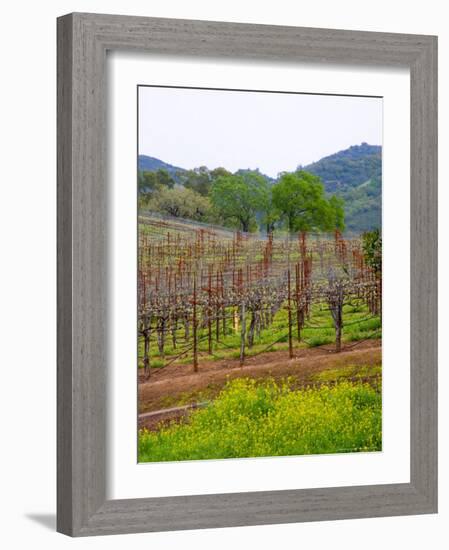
<point x="259" y="320"/>
<point x="245" y="200"/>
<point x="344" y="188"/>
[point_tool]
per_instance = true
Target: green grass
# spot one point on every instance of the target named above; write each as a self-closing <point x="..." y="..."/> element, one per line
<point x="318" y="330"/>
<point x="348" y="372"/>
<point x="189" y="397"/>
<point x="250" y="419"/>
<point x="319" y="340"/>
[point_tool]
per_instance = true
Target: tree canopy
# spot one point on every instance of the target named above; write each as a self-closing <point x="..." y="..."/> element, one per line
<point x="239" y="197"/>
<point x="151" y="181"/>
<point x="201" y="179"/>
<point x="245" y="200"/>
<point x="180" y="202"/>
<point x="302" y="203"/>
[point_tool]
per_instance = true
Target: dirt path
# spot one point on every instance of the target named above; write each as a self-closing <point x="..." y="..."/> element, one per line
<point x="178" y="385"/>
<point x="151" y="420"/>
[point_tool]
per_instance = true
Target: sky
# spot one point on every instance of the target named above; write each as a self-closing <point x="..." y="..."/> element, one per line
<point x="274" y="132"/>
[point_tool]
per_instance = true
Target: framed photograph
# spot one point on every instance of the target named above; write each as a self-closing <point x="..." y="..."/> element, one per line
<point x="247" y="274"/>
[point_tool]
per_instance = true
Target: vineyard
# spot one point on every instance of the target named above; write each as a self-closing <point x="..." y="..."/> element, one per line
<point x="259" y="285"/>
<point x="227" y="324"/>
<point x="205" y="291"/>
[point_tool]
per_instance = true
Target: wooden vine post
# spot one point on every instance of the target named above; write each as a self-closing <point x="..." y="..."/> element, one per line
<point x="290" y="338"/>
<point x="145" y="331"/>
<point x="217" y="308"/>
<point x="242" y="332"/>
<point x="144" y="324"/>
<point x="299" y="314"/>
<point x="209" y="313"/>
<point x="338" y="321"/>
<point x="194" y="329"/>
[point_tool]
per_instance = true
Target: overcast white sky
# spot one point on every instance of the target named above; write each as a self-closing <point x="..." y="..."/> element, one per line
<point x="271" y="131"/>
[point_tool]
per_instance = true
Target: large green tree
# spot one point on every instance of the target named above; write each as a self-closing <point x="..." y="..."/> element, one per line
<point x="269" y="211"/>
<point x="237" y="198"/>
<point x="301" y="200"/>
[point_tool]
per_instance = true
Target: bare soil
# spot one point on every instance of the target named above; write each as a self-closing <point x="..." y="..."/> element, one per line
<point x="175" y="386"/>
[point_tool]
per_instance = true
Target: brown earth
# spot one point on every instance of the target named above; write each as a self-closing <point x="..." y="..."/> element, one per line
<point x="177" y="385"/>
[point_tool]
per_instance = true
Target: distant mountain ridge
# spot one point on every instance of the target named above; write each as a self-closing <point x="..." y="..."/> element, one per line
<point x="348" y="168"/>
<point x="354" y="174"/>
<point x="151" y="164"/>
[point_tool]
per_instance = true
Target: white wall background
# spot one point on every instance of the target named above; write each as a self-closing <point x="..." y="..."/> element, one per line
<point x="27" y="289"/>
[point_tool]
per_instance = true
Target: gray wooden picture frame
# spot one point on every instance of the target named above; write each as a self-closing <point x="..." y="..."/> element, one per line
<point x="83" y="40"/>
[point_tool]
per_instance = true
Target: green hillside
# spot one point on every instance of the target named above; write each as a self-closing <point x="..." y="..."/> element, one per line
<point x="152" y="164"/>
<point x="355" y="175"/>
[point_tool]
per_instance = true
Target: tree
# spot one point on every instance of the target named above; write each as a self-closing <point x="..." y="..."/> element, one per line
<point x="181" y="203"/>
<point x="338" y="212"/>
<point x="301" y="200"/>
<point x="372" y="250"/>
<point x="201" y="179"/>
<point x="237" y="198"/>
<point x="198" y="179"/>
<point x="270" y="213"/>
<point x="151" y="181"/>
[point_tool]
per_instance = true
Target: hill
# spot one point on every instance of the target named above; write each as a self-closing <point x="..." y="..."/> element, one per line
<point x="151" y="164"/>
<point x="354" y="174"/>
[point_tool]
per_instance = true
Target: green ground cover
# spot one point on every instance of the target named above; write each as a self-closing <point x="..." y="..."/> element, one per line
<point x="359" y="325"/>
<point x="268" y="418"/>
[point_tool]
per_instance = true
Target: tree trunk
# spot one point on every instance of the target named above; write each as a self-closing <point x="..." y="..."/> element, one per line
<point x="146" y="354"/>
<point x="242" y="333"/>
<point x="338" y="339"/>
<point x="337" y="316"/>
<point x="299" y="322"/>
<point x="174" y="328"/>
<point x="217" y="323"/>
<point x="252" y="326"/>
<point x="336" y="301"/>
<point x="161" y="338"/>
